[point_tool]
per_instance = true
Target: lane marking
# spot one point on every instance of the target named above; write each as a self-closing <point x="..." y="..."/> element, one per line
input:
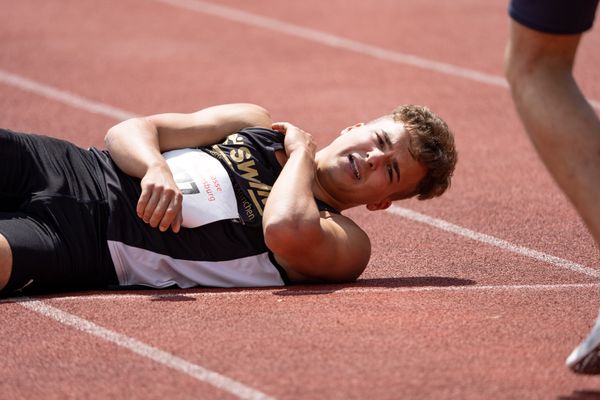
<point x="327" y="39"/>
<point x="162" y="357"/>
<point x="119" y="114"/>
<point x="199" y="372"/>
<point x="491" y="240"/>
<point x="64" y="96"/>
<point x="183" y="294"/>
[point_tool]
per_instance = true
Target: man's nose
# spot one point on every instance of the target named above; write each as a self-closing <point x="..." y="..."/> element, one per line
<point x="376" y="157"/>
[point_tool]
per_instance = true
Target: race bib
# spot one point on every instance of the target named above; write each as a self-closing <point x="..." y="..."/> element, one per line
<point x="208" y="194"/>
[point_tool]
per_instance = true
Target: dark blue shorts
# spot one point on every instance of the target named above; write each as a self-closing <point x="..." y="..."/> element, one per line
<point x="554" y="16"/>
<point x="54" y="215"/>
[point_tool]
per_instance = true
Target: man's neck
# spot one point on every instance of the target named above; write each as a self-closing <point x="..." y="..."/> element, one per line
<point x="322" y="194"/>
<point x="318" y="190"/>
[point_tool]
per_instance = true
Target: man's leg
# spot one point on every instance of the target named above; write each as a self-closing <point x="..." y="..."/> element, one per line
<point x="5" y="261"/>
<point x="561" y="124"/>
<point x="565" y="130"/>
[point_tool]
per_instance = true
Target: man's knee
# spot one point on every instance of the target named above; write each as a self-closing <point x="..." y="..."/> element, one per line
<point x="532" y="52"/>
<point x="5" y="261"/>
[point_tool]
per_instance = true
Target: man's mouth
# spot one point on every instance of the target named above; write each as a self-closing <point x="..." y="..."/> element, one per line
<point x="354" y="166"/>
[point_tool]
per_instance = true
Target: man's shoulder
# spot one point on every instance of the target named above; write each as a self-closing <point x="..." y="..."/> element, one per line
<point x="346" y="251"/>
<point x="346" y="224"/>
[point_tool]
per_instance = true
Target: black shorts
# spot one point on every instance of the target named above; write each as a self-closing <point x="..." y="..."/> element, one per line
<point x="554" y="16"/>
<point x="54" y="215"/>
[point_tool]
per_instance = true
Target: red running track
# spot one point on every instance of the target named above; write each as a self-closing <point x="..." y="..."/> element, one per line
<point x="437" y="315"/>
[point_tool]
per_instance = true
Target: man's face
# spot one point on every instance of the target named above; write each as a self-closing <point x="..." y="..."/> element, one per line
<point x="369" y="164"/>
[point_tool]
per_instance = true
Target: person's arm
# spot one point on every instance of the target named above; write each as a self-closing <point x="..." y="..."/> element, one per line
<point x="331" y="248"/>
<point x="136" y="146"/>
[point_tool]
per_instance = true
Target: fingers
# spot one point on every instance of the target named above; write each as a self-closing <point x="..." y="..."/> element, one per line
<point x="279" y="127"/>
<point x="143" y="201"/>
<point x="282" y="127"/>
<point x="176" y="225"/>
<point x="151" y="206"/>
<point x="160" y="203"/>
<point x="160" y="207"/>
<point x="172" y="215"/>
<point x="295" y="138"/>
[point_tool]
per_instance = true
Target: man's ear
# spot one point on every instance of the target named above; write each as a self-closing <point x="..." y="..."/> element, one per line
<point x="348" y="129"/>
<point x="380" y="205"/>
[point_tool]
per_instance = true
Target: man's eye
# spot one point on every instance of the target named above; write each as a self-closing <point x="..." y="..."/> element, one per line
<point x="390" y="172"/>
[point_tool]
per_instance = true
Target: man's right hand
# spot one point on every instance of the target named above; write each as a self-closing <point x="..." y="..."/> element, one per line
<point x="295" y="138"/>
<point x="160" y="204"/>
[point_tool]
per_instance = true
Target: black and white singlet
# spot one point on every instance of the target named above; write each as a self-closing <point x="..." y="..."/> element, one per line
<point x="221" y="243"/>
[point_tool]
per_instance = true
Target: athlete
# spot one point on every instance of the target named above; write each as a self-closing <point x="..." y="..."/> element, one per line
<point x="562" y="125"/>
<point x="221" y="197"/>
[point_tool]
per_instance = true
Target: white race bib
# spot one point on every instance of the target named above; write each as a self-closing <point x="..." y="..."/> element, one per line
<point x="208" y="195"/>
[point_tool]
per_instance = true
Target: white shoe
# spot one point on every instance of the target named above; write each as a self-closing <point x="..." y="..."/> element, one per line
<point x="585" y="359"/>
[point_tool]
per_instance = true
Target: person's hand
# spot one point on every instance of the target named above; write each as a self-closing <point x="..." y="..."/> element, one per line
<point x="160" y="204"/>
<point x="295" y="138"/>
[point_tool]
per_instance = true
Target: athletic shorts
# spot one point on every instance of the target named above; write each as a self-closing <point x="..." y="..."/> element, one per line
<point x="554" y="16"/>
<point x="54" y="215"/>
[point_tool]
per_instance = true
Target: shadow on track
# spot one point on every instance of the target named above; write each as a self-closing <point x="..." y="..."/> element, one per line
<point x="175" y="294"/>
<point x="582" y="395"/>
<point x="315" y="289"/>
<point x="323" y="289"/>
<point x="404" y="282"/>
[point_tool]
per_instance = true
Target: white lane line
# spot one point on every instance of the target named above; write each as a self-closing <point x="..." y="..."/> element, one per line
<point x="118" y="114"/>
<point x="327" y="39"/>
<point x="64" y="96"/>
<point x="316" y="290"/>
<point x="162" y="357"/>
<point x="491" y="240"/>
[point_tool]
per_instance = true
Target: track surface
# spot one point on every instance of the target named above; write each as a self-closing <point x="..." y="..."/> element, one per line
<point x="480" y="294"/>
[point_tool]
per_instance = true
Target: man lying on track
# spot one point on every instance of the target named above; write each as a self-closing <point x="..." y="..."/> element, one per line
<point x="221" y="197"/>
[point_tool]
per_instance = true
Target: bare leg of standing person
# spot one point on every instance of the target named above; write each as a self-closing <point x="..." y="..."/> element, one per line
<point x="562" y="125"/>
<point x="565" y="131"/>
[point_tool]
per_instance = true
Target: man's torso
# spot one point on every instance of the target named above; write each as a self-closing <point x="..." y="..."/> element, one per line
<point x="225" y="188"/>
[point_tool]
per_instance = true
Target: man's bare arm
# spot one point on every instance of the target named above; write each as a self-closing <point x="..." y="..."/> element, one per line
<point x="136" y="146"/>
<point x="331" y="248"/>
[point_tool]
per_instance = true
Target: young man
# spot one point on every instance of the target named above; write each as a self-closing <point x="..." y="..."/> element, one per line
<point x="221" y="197"/>
<point x="562" y="125"/>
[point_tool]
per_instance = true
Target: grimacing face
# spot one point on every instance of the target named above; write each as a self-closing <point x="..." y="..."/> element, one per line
<point x="369" y="164"/>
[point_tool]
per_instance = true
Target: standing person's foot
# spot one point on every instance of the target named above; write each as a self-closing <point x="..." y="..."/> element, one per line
<point x="585" y="359"/>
